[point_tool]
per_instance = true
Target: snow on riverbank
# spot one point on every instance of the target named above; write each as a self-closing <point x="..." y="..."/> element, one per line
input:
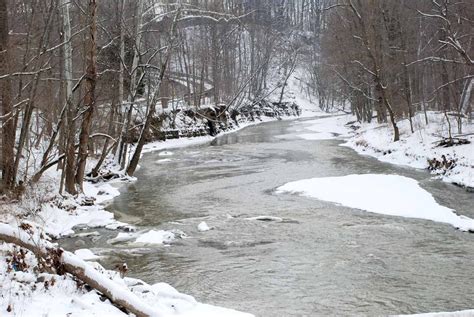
<point x="414" y="149"/>
<point x="383" y="194"/>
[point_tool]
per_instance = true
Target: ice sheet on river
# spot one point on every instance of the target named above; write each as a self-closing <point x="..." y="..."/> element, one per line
<point x="392" y="195"/>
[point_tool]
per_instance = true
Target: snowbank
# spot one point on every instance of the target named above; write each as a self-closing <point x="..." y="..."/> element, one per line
<point x="86" y="255"/>
<point x="414" y="149"/>
<point x="392" y="195"/>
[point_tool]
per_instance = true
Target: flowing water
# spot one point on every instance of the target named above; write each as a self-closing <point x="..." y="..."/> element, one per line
<point x="322" y="259"/>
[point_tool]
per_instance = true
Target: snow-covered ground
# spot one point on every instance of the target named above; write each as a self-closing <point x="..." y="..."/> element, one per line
<point x="414" y="149"/>
<point x="370" y="192"/>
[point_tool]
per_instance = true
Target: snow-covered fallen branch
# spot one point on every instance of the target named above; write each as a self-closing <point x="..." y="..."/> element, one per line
<point x="66" y="262"/>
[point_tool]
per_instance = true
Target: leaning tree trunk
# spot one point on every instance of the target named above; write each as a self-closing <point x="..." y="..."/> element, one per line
<point x="89" y="99"/>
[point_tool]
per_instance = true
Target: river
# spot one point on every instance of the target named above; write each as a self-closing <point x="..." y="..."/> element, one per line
<point x="322" y="259"/>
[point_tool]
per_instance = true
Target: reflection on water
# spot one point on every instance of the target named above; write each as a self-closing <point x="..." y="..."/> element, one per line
<point x="322" y="259"/>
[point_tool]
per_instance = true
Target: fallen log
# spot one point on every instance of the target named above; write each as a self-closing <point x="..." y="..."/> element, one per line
<point x="67" y="262"/>
<point x="448" y="142"/>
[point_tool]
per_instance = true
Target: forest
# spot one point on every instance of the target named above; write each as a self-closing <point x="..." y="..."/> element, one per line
<point x="87" y="79"/>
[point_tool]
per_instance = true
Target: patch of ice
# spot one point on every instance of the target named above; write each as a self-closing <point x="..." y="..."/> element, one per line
<point x="58" y="222"/>
<point x="383" y="194"/>
<point x="86" y="254"/>
<point x="122" y="237"/>
<point x="156" y="237"/>
<point x="330" y="125"/>
<point x="203" y="227"/>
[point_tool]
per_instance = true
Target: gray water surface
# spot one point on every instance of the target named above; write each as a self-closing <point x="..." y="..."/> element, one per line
<point x="322" y="259"/>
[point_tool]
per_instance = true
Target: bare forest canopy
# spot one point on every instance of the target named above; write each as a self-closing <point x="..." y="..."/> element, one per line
<point x="82" y="81"/>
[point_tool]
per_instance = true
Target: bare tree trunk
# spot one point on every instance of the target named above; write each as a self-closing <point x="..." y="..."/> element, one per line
<point x="121" y="79"/>
<point x="288" y="75"/>
<point x="70" y="127"/>
<point x="7" y="122"/>
<point x="466" y="96"/>
<point x="133" y="89"/>
<point x="89" y="98"/>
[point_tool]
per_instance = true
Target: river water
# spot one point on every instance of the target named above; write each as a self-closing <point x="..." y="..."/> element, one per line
<point x="322" y="259"/>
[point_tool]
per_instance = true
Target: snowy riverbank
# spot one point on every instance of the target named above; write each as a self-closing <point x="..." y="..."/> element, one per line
<point x="415" y="149"/>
